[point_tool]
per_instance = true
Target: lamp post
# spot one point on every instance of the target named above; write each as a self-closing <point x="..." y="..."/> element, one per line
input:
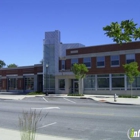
<point x="47" y="66"/>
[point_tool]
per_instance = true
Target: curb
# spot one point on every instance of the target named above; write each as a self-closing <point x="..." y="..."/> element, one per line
<point x="119" y="103"/>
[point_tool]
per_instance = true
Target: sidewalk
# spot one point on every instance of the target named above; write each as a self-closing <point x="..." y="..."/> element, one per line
<point x="105" y="99"/>
<point x="99" y="98"/>
<point x="7" y="134"/>
<point x="110" y="99"/>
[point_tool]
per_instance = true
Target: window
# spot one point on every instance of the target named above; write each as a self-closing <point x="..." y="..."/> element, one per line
<point x="87" y="62"/>
<point x="130" y="58"/>
<point x="115" y="60"/>
<point x="73" y="61"/>
<point x="89" y="82"/>
<point x="0" y="84"/>
<point x="103" y="81"/>
<point x="101" y="61"/>
<point x="135" y="84"/>
<point x="117" y="81"/>
<point x="63" y="65"/>
<point x="29" y="83"/>
<point x="61" y="84"/>
<point x="12" y="83"/>
<point x="50" y="82"/>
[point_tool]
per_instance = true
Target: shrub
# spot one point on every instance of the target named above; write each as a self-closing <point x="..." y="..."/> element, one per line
<point x="127" y="96"/>
<point x="75" y="94"/>
<point x="28" y="123"/>
<point x="35" y="93"/>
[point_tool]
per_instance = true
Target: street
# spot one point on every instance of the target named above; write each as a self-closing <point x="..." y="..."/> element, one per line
<point x="83" y="119"/>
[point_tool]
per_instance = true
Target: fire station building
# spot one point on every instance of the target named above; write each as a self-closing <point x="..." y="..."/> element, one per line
<point x="105" y="63"/>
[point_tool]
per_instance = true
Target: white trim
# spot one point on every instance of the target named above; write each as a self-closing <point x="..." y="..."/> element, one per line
<point x="96" y="84"/>
<point x="74" y="51"/>
<point x="110" y="82"/>
<point x="12" y="75"/>
<point x="28" y="74"/>
<point x="125" y="82"/>
<point x="103" y="53"/>
<point x="40" y="73"/>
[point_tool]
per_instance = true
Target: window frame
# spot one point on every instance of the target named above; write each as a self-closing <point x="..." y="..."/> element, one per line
<point x="87" y="60"/>
<point x="63" y="65"/>
<point x="129" y="59"/>
<point x="59" y="85"/>
<point x="97" y="61"/>
<point x="111" y="60"/>
<point x="72" y="63"/>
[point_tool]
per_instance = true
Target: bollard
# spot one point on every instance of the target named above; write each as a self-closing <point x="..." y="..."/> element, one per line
<point x="115" y="97"/>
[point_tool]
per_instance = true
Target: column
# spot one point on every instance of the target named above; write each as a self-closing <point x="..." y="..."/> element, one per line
<point x="56" y="85"/>
<point x="66" y="85"/>
<point x="110" y="82"/>
<point x="96" y="82"/>
<point x="125" y="82"/>
<point x="35" y="82"/>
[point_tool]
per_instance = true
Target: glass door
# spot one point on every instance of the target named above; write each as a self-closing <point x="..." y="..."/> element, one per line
<point x="75" y="87"/>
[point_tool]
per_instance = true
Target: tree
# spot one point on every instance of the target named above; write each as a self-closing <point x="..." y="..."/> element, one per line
<point x="12" y="65"/>
<point x="2" y="64"/>
<point x="126" y="31"/>
<point x="131" y="70"/>
<point x="80" y="71"/>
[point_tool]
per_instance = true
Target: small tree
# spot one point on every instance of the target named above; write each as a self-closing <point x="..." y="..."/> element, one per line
<point x="131" y="70"/>
<point x="80" y="71"/>
<point x="126" y="31"/>
<point x="2" y="64"/>
<point x="12" y="66"/>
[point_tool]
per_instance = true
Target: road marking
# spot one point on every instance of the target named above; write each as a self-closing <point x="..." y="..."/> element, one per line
<point x="45" y="99"/>
<point x="47" y="108"/>
<point x="86" y="113"/>
<point x="69" y="100"/>
<point x="47" y="125"/>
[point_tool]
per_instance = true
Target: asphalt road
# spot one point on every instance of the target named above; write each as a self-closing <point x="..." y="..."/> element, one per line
<point x="83" y="119"/>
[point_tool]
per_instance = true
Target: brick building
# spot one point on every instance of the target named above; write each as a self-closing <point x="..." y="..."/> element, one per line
<point x="21" y="79"/>
<point x="106" y="74"/>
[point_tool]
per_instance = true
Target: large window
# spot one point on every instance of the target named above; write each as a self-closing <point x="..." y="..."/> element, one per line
<point x="100" y="61"/>
<point x="117" y="81"/>
<point x="130" y="58"/>
<point x="135" y="85"/>
<point x="29" y="83"/>
<point x="89" y="82"/>
<point x="63" y="65"/>
<point x="0" y="84"/>
<point x="103" y="81"/>
<point x="50" y="82"/>
<point x="115" y="60"/>
<point x="12" y="83"/>
<point x="61" y="84"/>
<point x="73" y="61"/>
<point x="87" y="61"/>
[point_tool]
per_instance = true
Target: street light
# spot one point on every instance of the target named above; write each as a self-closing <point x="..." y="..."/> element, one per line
<point x="47" y="67"/>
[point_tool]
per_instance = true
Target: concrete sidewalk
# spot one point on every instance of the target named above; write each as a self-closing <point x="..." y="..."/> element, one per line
<point x="110" y="99"/>
<point x="99" y="98"/>
<point x="105" y="99"/>
<point x="7" y="134"/>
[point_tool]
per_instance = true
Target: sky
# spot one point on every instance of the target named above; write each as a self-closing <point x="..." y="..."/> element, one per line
<point x="23" y="24"/>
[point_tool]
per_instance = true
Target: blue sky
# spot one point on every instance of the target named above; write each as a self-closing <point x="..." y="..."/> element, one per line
<point x="24" y="22"/>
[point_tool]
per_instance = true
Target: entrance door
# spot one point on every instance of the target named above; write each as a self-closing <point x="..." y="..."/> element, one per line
<point x="75" y="87"/>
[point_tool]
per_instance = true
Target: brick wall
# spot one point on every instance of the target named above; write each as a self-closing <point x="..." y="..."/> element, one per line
<point x="104" y="48"/>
